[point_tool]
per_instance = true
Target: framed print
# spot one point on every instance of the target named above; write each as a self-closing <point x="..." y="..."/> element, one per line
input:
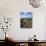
<point x="25" y="19"/>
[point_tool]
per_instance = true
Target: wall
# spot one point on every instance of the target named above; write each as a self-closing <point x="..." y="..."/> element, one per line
<point x="12" y="8"/>
<point x="45" y="28"/>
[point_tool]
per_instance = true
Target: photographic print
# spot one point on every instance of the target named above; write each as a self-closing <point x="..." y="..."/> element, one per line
<point x="26" y="19"/>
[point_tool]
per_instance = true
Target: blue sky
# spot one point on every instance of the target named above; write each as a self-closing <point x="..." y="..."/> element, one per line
<point x="26" y="14"/>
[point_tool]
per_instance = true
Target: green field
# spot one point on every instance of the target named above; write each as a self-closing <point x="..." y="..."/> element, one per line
<point x="26" y="23"/>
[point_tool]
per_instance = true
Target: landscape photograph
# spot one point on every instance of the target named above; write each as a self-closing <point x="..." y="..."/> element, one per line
<point x="26" y="20"/>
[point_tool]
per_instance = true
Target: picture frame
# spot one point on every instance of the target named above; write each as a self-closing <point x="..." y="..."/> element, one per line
<point x="25" y="19"/>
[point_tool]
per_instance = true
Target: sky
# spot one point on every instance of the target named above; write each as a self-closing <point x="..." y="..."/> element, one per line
<point x="26" y="14"/>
